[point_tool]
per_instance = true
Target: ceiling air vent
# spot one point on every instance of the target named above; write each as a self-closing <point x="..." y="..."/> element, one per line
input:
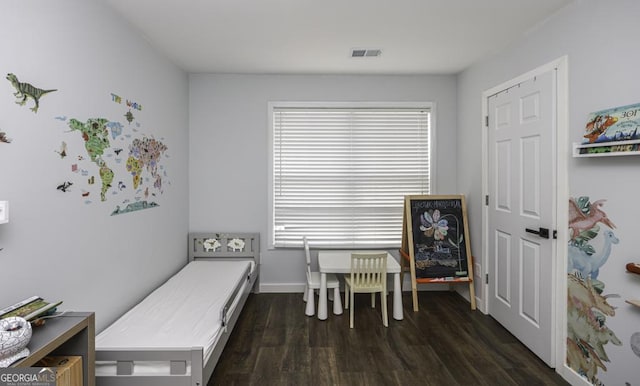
<point x="360" y="53"/>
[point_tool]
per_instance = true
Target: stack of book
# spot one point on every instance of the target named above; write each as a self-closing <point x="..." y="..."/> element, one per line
<point x="30" y="308"/>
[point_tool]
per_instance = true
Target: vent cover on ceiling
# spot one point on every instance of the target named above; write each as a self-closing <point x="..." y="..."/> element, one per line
<point x="360" y="53"/>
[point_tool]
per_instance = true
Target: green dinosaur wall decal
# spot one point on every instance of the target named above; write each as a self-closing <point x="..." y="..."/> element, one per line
<point x="26" y="90"/>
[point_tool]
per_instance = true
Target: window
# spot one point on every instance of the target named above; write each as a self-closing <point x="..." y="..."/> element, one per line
<point x="339" y="174"/>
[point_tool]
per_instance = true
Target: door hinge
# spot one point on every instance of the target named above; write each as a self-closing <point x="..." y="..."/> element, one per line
<point x="486" y="120"/>
<point x="555" y="234"/>
<point x="486" y="200"/>
<point x="486" y="278"/>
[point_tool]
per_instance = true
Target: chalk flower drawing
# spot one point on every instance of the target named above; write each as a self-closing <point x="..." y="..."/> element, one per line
<point x="433" y="225"/>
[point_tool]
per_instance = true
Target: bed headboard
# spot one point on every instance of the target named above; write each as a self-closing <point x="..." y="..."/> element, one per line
<point x="227" y="246"/>
<point x="224" y="245"/>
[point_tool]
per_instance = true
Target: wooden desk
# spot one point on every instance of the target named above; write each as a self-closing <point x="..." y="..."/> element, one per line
<point x="339" y="261"/>
<point x="72" y="333"/>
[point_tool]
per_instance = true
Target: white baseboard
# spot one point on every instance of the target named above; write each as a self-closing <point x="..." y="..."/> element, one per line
<point x="480" y="306"/>
<point x="299" y="287"/>
<point x="282" y="287"/>
<point x="572" y="377"/>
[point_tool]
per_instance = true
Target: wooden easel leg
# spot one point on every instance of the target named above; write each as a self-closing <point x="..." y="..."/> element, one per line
<point x="402" y="269"/>
<point x="472" y="295"/>
<point x="414" y="288"/>
<point x="414" y="285"/>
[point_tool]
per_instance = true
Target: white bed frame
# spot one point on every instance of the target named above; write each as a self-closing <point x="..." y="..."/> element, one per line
<point x="180" y="357"/>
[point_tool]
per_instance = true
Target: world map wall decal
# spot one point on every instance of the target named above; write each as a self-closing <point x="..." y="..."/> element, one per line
<point x="111" y="161"/>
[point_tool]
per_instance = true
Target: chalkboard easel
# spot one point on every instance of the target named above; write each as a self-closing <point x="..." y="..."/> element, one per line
<point x="435" y="243"/>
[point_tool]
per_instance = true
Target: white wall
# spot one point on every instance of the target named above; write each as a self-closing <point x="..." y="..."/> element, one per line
<point x="228" y="154"/>
<point x="600" y="40"/>
<point x="56" y="245"/>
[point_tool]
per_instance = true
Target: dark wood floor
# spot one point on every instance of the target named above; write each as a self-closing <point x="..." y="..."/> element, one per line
<point x="445" y="343"/>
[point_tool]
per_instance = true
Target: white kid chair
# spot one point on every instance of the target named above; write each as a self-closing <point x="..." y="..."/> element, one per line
<point x="313" y="283"/>
<point x="369" y="275"/>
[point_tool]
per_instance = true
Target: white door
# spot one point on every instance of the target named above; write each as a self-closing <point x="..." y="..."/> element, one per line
<point x="521" y="206"/>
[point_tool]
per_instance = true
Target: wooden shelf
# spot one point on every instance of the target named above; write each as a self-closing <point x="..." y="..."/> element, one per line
<point x="70" y="334"/>
<point x="633" y="302"/>
<point x="609" y="149"/>
<point x="633" y="269"/>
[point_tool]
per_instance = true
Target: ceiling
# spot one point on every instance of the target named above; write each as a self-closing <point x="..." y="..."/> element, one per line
<point x="317" y="36"/>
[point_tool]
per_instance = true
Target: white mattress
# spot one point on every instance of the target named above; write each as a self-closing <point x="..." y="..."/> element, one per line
<point x="183" y="312"/>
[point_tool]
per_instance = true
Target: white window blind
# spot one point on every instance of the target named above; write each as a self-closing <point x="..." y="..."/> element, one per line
<point x="340" y="174"/>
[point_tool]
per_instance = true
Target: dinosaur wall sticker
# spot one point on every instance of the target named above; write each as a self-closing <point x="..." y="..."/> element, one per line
<point x="26" y="90"/>
<point x="584" y="215"/>
<point x="587" y="305"/>
<point x="4" y="138"/>
<point x="588" y="265"/>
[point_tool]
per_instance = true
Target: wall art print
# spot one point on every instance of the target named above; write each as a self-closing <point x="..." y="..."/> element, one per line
<point x="587" y="304"/>
<point x="616" y="129"/>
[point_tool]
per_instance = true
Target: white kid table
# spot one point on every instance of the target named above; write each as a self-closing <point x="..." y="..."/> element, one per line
<point x="339" y="261"/>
